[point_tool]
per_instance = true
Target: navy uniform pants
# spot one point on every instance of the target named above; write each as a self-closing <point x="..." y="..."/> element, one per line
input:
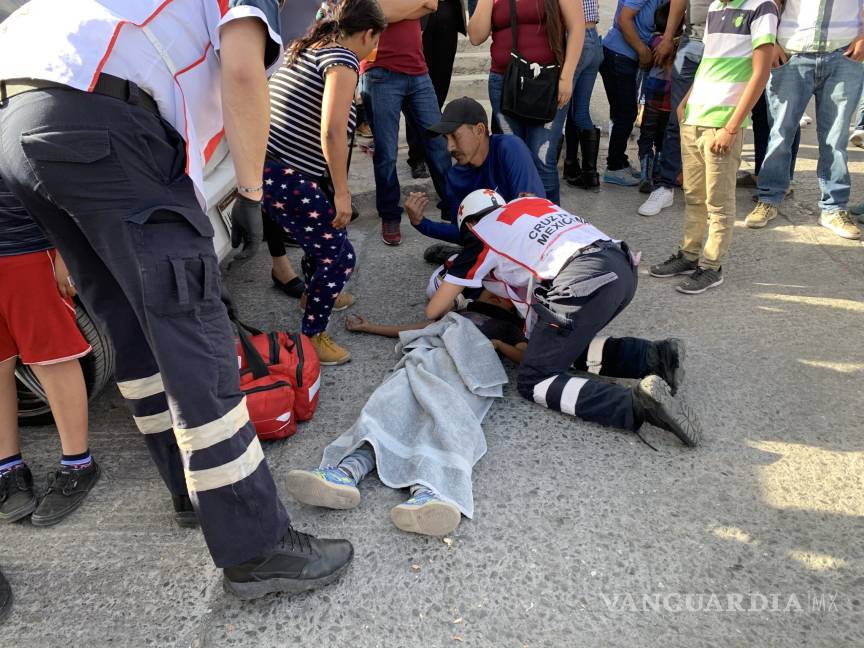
<point x="105" y="179"/>
<point x="587" y="294"/>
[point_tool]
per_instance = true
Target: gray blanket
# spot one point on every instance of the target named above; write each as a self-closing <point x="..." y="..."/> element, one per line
<point x="424" y="420"/>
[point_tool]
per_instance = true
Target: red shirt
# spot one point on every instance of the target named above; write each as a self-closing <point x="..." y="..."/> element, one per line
<point x="400" y="49"/>
<point x="531" y="33"/>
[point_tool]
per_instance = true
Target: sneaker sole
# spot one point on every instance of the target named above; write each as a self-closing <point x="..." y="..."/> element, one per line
<point x="841" y="233"/>
<point x="313" y="491"/>
<point x="678" y="415"/>
<point x="673" y="274"/>
<point x="642" y="212"/>
<point x="51" y="520"/>
<point x="679" y="372"/>
<point x="257" y="589"/>
<point x="700" y="290"/>
<point x="391" y="243"/>
<point x="432" y="519"/>
<point x="22" y="512"/>
<point x="759" y="224"/>
<point x="335" y="363"/>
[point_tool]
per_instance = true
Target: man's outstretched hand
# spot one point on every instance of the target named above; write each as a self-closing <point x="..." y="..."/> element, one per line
<point x="415" y="204"/>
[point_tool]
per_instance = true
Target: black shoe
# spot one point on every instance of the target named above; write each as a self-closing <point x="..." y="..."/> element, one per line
<point x="418" y="170"/>
<point x="666" y="359"/>
<point x="67" y="489"/>
<point x="654" y="403"/>
<point x="675" y="265"/>
<point x="589" y="142"/>
<point x="294" y="288"/>
<point x="17" y="499"/>
<point x="184" y="512"/>
<point x="440" y="253"/>
<point x="701" y="280"/>
<point x="300" y="562"/>
<point x="5" y="597"/>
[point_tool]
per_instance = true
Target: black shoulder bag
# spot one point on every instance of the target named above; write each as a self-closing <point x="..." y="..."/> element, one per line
<point x="530" y="91"/>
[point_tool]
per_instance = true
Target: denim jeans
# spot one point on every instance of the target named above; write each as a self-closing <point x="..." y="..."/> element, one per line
<point x="385" y="95"/>
<point x="543" y="140"/>
<point x="684" y="71"/>
<point x="859" y="120"/>
<point x="620" y="81"/>
<point x="761" y="133"/>
<point x="835" y="80"/>
<point x="583" y="80"/>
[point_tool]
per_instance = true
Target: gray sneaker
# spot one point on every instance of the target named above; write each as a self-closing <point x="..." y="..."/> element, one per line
<point x="841" y="223"/>
<point x="623" y="177"/>
<point x="654" y="403"/>
<point x="700" y="281"/>
<point x="675" y="265"/>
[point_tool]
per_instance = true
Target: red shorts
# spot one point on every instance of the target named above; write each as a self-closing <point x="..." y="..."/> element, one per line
<point x="36" y="323"/>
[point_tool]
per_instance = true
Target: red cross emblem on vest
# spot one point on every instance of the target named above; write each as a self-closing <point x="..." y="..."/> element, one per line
<point x="534" y="207"/>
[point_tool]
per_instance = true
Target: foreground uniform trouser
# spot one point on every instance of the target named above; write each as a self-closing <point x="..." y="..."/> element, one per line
<point x="585" y="296"/>
<point x="105" y="179"/>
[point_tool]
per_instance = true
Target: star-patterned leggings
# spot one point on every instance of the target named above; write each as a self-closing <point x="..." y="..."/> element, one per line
<point x="298" y="203"/>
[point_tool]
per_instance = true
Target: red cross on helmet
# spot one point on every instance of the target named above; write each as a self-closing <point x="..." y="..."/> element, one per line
<point x="479" y="203"/>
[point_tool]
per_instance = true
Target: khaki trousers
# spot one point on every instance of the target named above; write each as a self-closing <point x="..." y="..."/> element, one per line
<point x="709" y="195"/>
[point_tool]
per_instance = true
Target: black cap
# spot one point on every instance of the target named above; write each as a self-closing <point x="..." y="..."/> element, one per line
<point x="464" y="110"/>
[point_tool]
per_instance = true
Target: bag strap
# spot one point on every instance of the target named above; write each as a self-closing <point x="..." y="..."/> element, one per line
<point x="253" y="358"/>
<point x="514" y="46"/>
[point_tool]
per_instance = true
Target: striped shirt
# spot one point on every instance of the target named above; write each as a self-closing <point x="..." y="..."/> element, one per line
<point x="19" y="233"/>
<point x="296" y="94"/>
<point x="592" y="10"/>
<point x="820" y="26"/>
<point x="734" y="29"/>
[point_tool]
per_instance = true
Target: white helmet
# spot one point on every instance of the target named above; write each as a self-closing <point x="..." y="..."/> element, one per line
<point x="479" y="203"/>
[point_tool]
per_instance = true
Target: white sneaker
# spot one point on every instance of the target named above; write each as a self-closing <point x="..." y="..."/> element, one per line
<point x="660" y="199"/>
<point x="858" y="138"/>
<point x="806" y="120"/>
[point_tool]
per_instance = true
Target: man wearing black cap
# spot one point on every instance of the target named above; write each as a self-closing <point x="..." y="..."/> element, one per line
<point x="500" y="162"/>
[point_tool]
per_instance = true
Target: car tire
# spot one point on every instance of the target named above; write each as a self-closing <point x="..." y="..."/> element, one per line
<point x="98" y="368"/>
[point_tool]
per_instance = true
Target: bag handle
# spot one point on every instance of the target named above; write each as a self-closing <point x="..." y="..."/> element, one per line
<point x="253" y="358"/>
<point x="514" y="45"/>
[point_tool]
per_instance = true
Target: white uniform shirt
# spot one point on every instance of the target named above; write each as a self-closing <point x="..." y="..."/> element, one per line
<point x="169" y="48"/>
<point x="513" y="248"/>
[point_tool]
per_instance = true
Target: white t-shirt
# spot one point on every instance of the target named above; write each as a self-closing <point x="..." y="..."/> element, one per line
<point x="169" y="48"/>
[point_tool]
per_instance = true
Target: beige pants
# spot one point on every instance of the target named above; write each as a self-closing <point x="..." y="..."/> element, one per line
<point x="709" y="195"/>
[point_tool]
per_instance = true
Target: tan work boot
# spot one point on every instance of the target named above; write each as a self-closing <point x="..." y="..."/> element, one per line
<point x="343" y="301"/>
<point x="329" y="353"/>
<point x="840" y="223"/>
<point x="761" y="214"/>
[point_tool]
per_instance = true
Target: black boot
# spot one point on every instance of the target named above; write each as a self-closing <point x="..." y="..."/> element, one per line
<point x="646" y="173"/>
<point x="654" y="403"/>
<point x="184" y="512"/>
<point x="572" y="169"/>
<point x="666" y="359"/>
<point x="300" y="562"/>
<point x="589" y="140"/>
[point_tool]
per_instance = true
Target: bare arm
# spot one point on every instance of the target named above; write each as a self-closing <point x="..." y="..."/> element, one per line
<point x="627" y="25"/>
<point x="480" y="24"/>
<point x="339" y="86"/>
<point x="245" y="99"/>
<point x="443" y="299"/>
<point x="512" y="353"/>
<point x="752" y="91"/>
<point x="358" y="324"/>
<point x="666" y="49"/>
<point x="574" y="23"/>
<point x="398" y="10"/>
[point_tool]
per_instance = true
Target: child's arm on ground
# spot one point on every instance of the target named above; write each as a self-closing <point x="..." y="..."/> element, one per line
<point x="358" y="324"/>
<point x="512" y="353"/>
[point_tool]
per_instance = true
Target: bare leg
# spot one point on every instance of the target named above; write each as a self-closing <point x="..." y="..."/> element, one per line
<point x="67" y="395"/>
<point x="8" y="410"/>
<point x="282" y="269"/>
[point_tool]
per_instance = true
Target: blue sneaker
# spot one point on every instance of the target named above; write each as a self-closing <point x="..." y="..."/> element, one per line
<point x="427" y="514"/>
<point x="626" y="177"/>
<point x="327" y="487"/>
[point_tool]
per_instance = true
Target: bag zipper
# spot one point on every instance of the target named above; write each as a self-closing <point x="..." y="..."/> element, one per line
<point x="263" y="388"/>
<point x="298" y="342"/>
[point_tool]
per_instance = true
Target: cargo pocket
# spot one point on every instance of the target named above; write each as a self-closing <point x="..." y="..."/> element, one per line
<point x="182" y="285"/>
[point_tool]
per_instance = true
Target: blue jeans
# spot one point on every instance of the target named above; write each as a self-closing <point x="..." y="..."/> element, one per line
<point x="620" y="75"/>
<point x="684" y="71"/>
<point x="542" y="140"/>
<point x="761" y="134"/>
<point x="835" y="80"/>
<point x="859" y="121"/>
<point x="584" y="78"/>
<point x="385" y="95"/>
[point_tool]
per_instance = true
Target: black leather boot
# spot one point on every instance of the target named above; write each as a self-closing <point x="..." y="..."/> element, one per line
<point x="589" y="140"/>
<point x="572" y="169"/>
